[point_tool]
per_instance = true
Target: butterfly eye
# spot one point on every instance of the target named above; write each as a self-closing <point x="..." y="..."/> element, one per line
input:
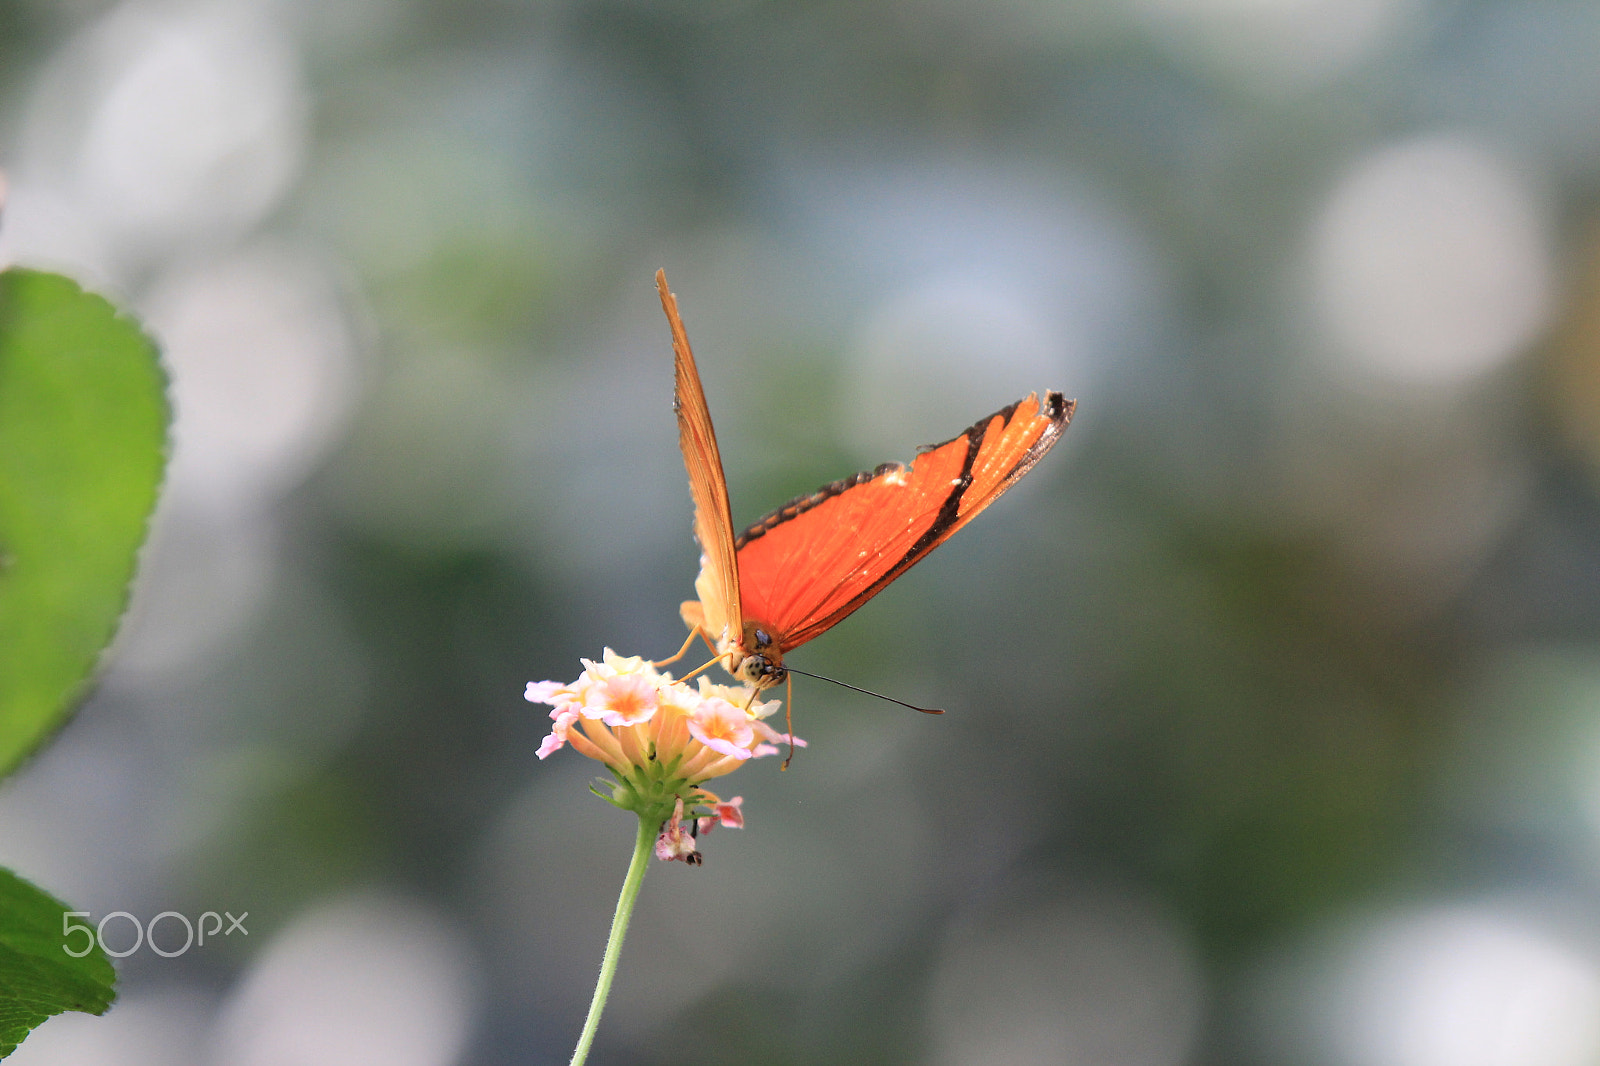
<point x="763" y="639"/>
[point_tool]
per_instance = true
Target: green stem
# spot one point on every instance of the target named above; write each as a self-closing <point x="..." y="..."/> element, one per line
<point x="642" y="848"/>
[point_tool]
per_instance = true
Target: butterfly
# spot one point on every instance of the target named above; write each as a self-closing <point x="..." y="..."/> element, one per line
<point x="802" y="569"/>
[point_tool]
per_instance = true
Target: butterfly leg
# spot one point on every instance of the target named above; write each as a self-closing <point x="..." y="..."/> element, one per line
<point x="702" y="668"/>
<point x="788" y="718"/>
<point x="681" y="651"/>
<point x="697" y="631"/>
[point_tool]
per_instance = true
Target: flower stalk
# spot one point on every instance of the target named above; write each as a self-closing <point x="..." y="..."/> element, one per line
<point x="619" y="928"/>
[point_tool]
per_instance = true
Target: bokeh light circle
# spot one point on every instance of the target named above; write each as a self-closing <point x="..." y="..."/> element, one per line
<point x="1429" y="262"/>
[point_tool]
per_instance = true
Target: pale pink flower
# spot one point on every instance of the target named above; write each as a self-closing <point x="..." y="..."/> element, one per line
<point x="544" y="691"/>
<point x="772" y="736"/>
<point x="676" y="842"/>
<point x="721" y="726"/>
<point x="740" y="697"/>
<point x="726" y="814"/>
<point x="624" y="699"/>
<point x="558" y="733"/>
<point x="661" y="739"/>
<point x="613" y="665"/>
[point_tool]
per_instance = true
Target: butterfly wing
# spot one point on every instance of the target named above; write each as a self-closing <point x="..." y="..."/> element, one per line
<point x="806" y="566"/>
<point x="717" y="612"/>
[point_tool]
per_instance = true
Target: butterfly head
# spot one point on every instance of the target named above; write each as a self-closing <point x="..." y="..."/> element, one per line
<point x="761" y="663"/>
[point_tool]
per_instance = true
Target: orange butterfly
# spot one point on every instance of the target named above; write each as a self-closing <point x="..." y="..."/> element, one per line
<point x="802" y="569"/>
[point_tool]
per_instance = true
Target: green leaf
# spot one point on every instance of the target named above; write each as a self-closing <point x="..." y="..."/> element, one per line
<point x="38" y="977"/>
<point x="83" y="423"/>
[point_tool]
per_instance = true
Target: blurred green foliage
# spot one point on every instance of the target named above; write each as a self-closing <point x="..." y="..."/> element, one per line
<point x="83" y="425"/>
<point x="37" y="978"/>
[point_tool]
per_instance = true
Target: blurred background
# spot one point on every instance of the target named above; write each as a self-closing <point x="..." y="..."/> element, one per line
<point x="1274" y="691"/>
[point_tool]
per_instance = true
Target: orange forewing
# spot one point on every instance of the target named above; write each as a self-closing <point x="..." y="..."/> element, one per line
<point x="718" y="583"/>
<point x="809" y="564"/>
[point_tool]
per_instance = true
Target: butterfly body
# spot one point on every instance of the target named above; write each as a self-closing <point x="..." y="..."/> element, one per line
<point x="800" y="570"/>
<point x="754" y="657"/>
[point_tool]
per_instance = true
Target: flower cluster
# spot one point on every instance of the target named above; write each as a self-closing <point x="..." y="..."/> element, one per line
<point x="661" y="739"/>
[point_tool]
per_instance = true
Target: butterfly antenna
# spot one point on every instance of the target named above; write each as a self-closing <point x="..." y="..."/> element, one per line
<point x="867" y="692"/>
